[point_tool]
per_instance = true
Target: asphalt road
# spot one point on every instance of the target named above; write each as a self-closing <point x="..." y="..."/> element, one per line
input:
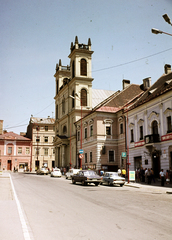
<point x="54" y="208"/>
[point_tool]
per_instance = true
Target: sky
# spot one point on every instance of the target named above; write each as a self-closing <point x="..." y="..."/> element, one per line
<point x="36" y="34"/>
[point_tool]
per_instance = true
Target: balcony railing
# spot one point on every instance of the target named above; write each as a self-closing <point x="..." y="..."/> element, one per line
<point x="153" y="138"/>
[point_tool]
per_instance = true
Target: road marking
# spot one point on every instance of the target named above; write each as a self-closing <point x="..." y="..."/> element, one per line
<point x="22" y="219"/>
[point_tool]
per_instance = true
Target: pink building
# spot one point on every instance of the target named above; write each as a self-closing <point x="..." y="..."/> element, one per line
<point x="15" y="152"/>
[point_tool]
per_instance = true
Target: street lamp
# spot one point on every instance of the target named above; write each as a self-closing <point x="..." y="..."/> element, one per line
<point x="167" y="19"/>
<point x="76" y="96"/>
<point x="156" y="31"/>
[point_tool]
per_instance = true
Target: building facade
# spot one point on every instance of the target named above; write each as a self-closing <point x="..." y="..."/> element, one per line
<point x="150" y="126"/>
<point x="42" y="132"/>
<point x="15" y="152"/>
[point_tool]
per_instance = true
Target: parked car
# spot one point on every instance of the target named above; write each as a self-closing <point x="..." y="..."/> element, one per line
<point x="43" y="171"/>
<point x="71" y="172"/>
<point x="85" y="177"/>
<point x="56" y="173"/>
<point x="112" y="178"/>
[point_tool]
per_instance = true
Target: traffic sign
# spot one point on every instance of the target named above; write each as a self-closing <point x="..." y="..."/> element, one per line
<point x="81" y="156"/>
<point x="124" y="154"/>
<point x="81" y="151"/>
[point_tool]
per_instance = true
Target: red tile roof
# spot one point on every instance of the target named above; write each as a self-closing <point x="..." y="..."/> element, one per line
<point x="13" y="136"/>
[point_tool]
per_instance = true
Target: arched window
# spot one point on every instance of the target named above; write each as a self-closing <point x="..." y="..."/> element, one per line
<point x="64" y="129"/>
<point x="154" y="127"/>
<point x="83" y="97"/>
<point x="83" y="67"/>
<point x="73" y="69"/>
<point x="73" y="99"/>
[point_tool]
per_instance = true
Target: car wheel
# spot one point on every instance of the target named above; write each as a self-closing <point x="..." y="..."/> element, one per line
<point x="121" y="185"/>
<point x="109" y="183"/>
<point x="96" y="184"/>
<point x="83" y="183"/>
<point x="66" y="177"/>
<point x="73" y="181"/>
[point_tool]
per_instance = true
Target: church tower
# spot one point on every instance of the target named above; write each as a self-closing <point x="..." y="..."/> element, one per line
<point x="73" y="100"/>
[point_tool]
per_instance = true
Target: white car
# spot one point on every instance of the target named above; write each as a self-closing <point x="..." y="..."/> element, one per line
<point x="43" y="171"/>
<point x="71" y="172"/>
<point x="112" y="178"/>
<point x="56" y="173"/>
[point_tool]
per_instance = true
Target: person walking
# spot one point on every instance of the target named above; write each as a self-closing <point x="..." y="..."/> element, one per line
<point x="152" y="175"/>
<point x="167" y="177"/>
<point x="123" y="172"/>
<point x="162" y="177"/>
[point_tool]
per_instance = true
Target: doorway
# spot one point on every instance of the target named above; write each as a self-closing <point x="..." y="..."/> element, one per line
<point x="156" y="164"/>
<point x="9" y="165"/>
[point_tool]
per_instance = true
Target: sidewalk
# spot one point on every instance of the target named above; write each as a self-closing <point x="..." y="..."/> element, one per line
<point x="10" y="227"/>
<point x="155" y="187"/>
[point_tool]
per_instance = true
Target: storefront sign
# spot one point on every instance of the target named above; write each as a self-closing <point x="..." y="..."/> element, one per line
<point x="139" y="144"/>
<point x="132" y="175"/>
<point x="166" y="137"/>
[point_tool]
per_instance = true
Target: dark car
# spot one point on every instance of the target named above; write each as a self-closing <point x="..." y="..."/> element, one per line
<point x="86" y="176"/>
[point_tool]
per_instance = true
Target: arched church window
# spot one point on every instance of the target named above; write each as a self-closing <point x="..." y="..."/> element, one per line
<point x="73" y="99"/>
<point x="83" y="97"/>
<point x="73" y="69"/>
<point x="83" y="67"/>
<point x="154" y="127"/>
<point x="64" y="129"/>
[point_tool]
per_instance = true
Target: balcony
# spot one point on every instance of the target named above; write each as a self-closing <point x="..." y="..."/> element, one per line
<point x="152" y="138"/>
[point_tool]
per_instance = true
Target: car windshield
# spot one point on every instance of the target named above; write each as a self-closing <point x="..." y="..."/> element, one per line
<point x="113" y="174"/>
<point x="89" y="173"/>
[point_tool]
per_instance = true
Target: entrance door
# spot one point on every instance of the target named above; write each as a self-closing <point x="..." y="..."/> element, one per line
<point x="9" y="165"/>
<point x="156" y="164"/>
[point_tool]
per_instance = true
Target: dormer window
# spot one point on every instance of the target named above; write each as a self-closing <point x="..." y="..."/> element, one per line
<point x="83" y="67"/>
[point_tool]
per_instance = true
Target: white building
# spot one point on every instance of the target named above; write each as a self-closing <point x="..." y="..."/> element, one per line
<point x="150" y="125"/>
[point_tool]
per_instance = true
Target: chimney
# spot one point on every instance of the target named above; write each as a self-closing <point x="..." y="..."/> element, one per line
<point x="1" y="127"/>
<point x="167" y="68"/>
<point x="125" y="83"/>
<point x="146" y="83"/>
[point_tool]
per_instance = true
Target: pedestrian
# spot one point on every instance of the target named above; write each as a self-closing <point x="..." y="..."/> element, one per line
<point x="162" y="177"/>
<point x="152" y="175"/>
<point x="142" y="173"/>
<point x="148" y="173"/>
<point x="146" y="178"/>
<point x="170" y="173"/>
<point x="167" y="177"/>
<point x="119" y="172"/>
<point x="123" y="172"/>
<point x="138" y="175"/>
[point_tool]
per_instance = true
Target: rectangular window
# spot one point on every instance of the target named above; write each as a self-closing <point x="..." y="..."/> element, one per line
<point x="91" y="130"/>
<point x="45" y="139"/>
<point x="111" y="156"/>
<point x="91" y="157"/>
<point x="121" y="128"/>
<point x="108" y="130"/>
<point x="78" y="137"/>
<point x="27" y="150"/>
<point x="19" y="150"/>
<point x="85" y="130"/>
<point x="46" y="151"/>
<point x="37" y="151"/>
<point x="169" y="124"/>
<point x="46" y="128"/>
<point x="53" y="151"/>
<point x="37" y="138"/>
<point x="132" y="135"/>
<point x="85" y="157"/>
<point x="9" y="150"/>
<point x="56" y="112"/>
<point x="141" y="132"/>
